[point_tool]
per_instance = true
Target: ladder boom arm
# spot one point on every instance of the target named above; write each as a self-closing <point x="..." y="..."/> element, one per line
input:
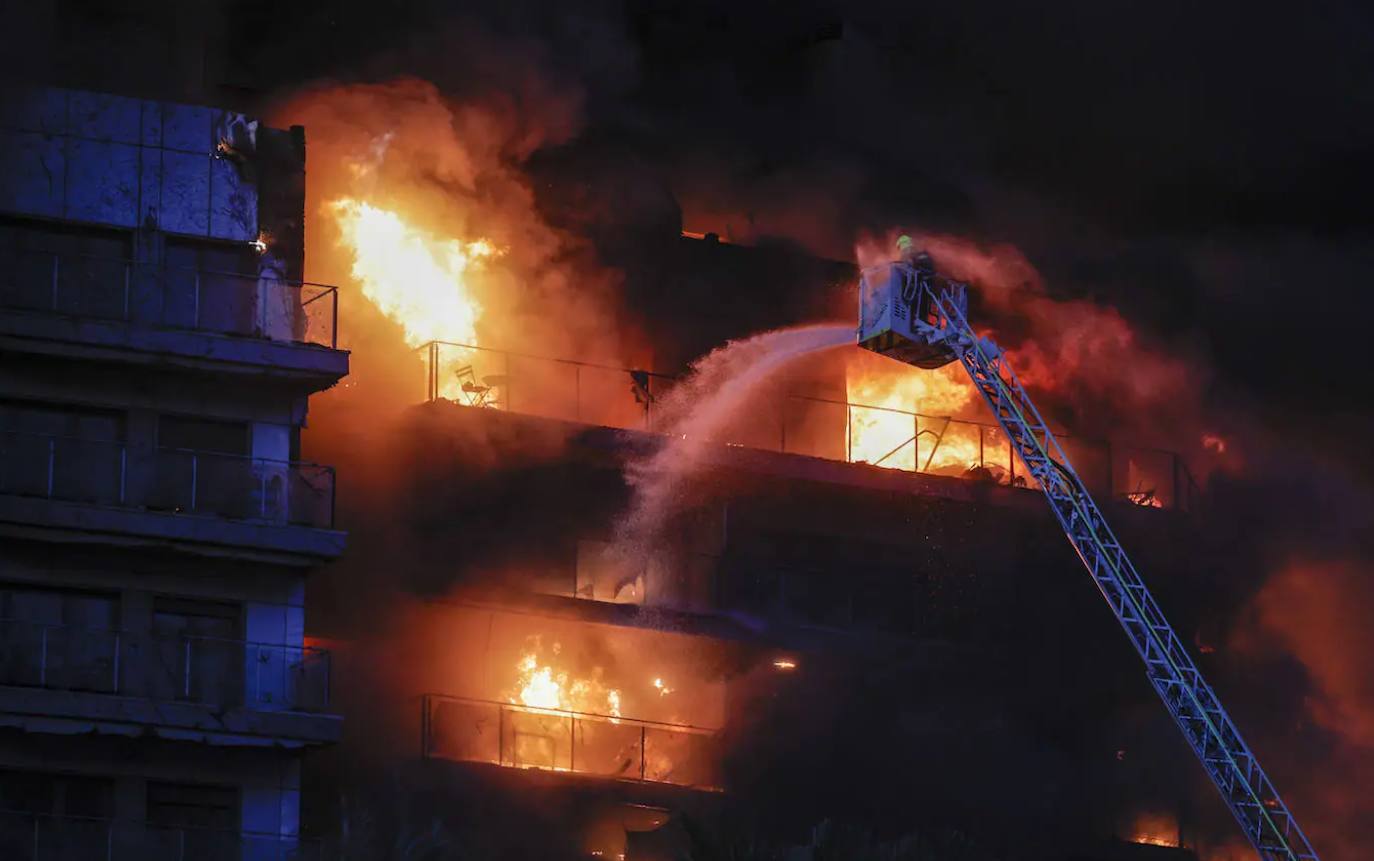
<point x="1244" y="787"/>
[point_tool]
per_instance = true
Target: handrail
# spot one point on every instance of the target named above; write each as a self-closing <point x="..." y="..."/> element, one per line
<point x="519" y="355"/>
<point x="1169" y="484"/>
<point x="628" y="721"/>
<point x="563" y="741"/>
<point x="138" y="665"/>
<point x="125" y="444"/>
<point x="243" y="486"/>
<point x="116" y="837"/>
<point x="163" y="637"/>
<point x="291" y="322"/>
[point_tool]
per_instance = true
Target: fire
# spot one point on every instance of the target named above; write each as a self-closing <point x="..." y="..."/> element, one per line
<point x="884" y="436"/>
<point x="418" y="279"/>
<point x="1213" y="442"/>
<point x="1155" y="829"/>
<point x="540" y="686"/>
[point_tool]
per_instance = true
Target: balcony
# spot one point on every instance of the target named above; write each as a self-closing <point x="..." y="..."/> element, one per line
<point x="191" y="498"/>
<point x="41" y="837"/>
<point x="788" y="423"/>
<point x="515" y="736"/>
<point x="121" y="310"/>
<point x="227" y="691"/>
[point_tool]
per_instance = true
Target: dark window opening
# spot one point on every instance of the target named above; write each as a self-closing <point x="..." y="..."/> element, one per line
<point x="60" y="639"/>
<point x="53" y="795"/>
<point x="64" y="268"/>
<point x="203" y="435"/>
<point x="59" y="452"/>
<point x="211" y="285"/>
<point x="193" y="806"/>
<point x="199" y="648"/>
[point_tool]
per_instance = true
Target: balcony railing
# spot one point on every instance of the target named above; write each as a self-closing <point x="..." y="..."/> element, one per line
<point x="43" y="837"/>
<point x="797" y="424"/>
<point x="201" y="670"/>
<point x="102" y="288"/>
<point x="514" y="736"/>
<point x="112" y="473"/>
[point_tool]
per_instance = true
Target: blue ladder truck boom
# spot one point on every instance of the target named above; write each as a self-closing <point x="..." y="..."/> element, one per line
<point x="910" y="313"/>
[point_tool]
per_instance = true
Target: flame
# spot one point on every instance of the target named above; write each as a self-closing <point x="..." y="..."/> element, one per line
<point x="884" y="437"/>
<point x="540" y="686"/>
<point x="663" y="690"/>
<point x="1214" y="442"/>
<point x="415" y="278"/>
<point x="1155" y="829"/>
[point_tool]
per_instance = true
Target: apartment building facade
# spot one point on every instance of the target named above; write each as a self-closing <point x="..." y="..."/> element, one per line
<point x="157" y="354"/>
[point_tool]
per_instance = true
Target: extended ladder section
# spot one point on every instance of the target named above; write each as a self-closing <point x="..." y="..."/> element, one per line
<point x="1262" y="815"/>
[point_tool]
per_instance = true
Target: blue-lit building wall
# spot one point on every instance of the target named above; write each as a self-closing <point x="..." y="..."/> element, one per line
<point x="157" y="354"/>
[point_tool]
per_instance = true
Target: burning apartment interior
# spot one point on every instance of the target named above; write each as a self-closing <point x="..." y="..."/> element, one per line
<point x="612" y="588"/>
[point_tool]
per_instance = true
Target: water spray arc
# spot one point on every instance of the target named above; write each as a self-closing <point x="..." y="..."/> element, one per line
<point x="908" y="312"/>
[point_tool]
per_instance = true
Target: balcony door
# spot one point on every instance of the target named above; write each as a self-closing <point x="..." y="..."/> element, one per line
<point x="201" y="649"/>
<point x="58" y="639"/>
<point x="211" y="286"/>
<point x="61" y="452"/>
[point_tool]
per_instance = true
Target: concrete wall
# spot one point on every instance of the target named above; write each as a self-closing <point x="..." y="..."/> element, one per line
<point x="111" y="160"/>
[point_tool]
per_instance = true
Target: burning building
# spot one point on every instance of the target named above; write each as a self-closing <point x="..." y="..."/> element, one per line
<point x="855" y="608"/>
<point x="855" y="629"/>
<point x="158" y="350"/>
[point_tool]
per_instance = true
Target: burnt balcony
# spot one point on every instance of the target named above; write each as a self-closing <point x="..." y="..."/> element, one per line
<point x="799" y="424"/>
<point x="128" y="682"/>
<point x="124" y="310"/>
<point x="192" y="498"/>
<point x="591" y="745"/>
<point x="42" y="837"/>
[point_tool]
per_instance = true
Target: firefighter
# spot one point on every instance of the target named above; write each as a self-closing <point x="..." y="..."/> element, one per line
<point x="907" y="253"/>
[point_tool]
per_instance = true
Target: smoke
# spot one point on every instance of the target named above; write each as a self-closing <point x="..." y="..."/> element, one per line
<point x="1094" y="370"/>
<point x="454" y="171"/>
<point x="1317" y="613"/>
<point x="718" y="391"/>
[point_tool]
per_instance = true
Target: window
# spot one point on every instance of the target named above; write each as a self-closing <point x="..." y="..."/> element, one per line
<point x="58" y="638"/>
<point x="202" y="467"/>
<point x="61" y="452"/>
<point x="65" y="814"/>
<point x="211" y="285"/>
<point x="193" y="806"/>
<point x="207" y="435"/>
<point x="63" y="268"/>
<point x="56" y="794"/>
<point x="200" y="642"/>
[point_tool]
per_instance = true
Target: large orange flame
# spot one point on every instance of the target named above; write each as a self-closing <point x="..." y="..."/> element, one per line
<point x="539" y="685"/>
<point x="882" y="429"/>
<point x="415" y="278"/>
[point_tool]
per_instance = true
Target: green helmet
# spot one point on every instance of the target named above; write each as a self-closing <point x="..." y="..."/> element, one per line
<point x="903" y="243"/>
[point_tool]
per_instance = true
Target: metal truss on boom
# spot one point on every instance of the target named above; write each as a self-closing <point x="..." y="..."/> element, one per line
<point x="1262" y="815"/>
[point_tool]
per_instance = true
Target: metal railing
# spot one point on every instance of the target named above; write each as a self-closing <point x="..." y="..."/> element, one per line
<point x="26" y="836"/>
<point x="108" y="472"/>
<point x="254" y="306"/>
<point x="793" y="423"/>
<point x="516" y="736"/>
<point x="203" y="670"/>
